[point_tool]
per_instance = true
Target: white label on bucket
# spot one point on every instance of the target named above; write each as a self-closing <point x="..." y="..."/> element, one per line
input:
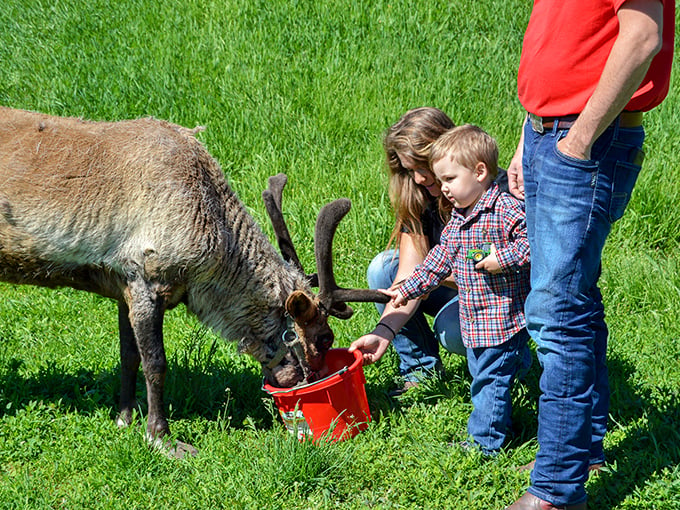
<point x="296" y="424"/>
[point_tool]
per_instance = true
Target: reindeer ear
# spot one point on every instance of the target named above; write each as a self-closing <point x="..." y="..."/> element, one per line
<point x="300" y="307"/>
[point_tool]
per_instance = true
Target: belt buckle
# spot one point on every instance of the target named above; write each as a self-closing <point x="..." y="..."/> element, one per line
<point x="536" y="123"/>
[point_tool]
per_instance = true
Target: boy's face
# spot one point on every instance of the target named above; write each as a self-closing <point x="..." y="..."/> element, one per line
<point x="462" y="186"/>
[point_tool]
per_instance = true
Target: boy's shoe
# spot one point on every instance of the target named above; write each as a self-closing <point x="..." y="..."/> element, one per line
<point x="531" y="502"/>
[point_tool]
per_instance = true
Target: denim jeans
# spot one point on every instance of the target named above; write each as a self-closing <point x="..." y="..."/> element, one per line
<point x="493" y="370"/>
<point x="571" y="205"/>
<point x="416" y="343"/>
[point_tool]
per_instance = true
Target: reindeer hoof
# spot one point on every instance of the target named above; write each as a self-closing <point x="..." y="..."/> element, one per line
<point x="127" y="414"/>
<point x="124" y="420"/>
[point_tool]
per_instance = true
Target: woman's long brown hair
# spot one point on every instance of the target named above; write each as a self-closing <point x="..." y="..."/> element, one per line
<point x="411" y="136"/>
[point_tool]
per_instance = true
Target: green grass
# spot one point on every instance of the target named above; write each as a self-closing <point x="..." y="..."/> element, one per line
<point x="307" y="88"/>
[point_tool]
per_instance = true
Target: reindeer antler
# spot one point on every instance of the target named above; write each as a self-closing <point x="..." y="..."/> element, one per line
<point x="332" y="297"/>
<point x="273" y="197"/>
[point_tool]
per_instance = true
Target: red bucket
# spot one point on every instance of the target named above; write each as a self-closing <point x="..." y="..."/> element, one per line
<point x="335" y="407"/>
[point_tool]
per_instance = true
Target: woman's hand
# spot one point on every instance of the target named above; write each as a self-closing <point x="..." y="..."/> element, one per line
<point x="372" y="346"/>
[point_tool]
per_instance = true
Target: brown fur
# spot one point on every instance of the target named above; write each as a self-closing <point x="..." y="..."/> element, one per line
<point x="138" y="211"/>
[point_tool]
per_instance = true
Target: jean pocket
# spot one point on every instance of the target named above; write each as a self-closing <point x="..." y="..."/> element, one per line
<point x="623" y="182"/>
<point x="587" y="165"/>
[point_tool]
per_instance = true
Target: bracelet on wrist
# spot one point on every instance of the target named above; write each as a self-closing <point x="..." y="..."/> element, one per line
<point x="388" y="328"/>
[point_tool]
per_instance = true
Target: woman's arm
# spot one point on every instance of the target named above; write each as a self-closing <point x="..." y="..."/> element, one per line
<point x="374" y="344"/>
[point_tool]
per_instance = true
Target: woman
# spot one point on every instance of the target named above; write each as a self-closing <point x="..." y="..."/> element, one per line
<point x="415" y="196"/>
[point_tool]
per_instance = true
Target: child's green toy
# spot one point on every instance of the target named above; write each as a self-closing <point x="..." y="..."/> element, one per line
<point x="478" y="254"/>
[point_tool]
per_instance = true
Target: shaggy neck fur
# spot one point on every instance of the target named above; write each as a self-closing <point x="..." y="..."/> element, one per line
<point x="250" y="282"/>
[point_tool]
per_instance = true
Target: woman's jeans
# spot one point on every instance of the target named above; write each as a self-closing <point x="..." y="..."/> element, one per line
<point x="493" y="371"/>
<point x="571" y="205"/>
<point x="416" y="343"/>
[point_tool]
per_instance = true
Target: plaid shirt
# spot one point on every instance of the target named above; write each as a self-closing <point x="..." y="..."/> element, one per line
<point x="491" y="305"/>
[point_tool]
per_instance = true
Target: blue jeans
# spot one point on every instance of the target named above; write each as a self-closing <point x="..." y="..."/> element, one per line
<point x="571" y="205"/>
<point x="416" y="343"/>
<point x="493" y="371"/>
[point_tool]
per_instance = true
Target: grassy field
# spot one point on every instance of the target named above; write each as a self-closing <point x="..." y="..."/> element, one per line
<point x="307" y="88"/>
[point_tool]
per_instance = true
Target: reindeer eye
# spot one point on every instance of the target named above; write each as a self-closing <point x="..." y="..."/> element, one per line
<point x="325" y="340"/>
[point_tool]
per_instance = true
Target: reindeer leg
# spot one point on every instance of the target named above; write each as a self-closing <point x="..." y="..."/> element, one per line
<point x="146" y="320"/>
<point x="129" y="366"/>
<point x="147" y="309"/>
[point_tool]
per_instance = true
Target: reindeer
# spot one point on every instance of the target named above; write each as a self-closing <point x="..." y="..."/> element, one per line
<point x="138" y="211"/>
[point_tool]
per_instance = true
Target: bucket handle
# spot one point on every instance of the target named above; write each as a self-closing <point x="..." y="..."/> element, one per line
<point x="296" y="388"/>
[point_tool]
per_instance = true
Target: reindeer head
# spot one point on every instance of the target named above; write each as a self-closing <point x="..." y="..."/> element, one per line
<point x="309" y="335"/>
<point x="300" y="353"/>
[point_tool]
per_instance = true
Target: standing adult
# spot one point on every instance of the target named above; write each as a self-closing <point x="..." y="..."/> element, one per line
<point x="585" y="81"/>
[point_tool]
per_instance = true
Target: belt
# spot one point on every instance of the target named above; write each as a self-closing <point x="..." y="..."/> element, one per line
<point x="542" y="124"/>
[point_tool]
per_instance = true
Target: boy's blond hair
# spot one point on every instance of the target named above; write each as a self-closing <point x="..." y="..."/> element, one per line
<point x="467" y="145"/>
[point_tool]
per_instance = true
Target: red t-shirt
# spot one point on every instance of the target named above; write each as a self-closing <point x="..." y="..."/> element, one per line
<point x="565" y="49"/>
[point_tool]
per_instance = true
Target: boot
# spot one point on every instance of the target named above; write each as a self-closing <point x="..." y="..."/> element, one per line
<point x="531" y="502"/>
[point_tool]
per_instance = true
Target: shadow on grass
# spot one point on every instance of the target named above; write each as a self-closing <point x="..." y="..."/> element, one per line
<point x="454" y="384"/>
<point x="648" y="424"/>
<point x="643" y="425"/>
<point x="197" y="385"/>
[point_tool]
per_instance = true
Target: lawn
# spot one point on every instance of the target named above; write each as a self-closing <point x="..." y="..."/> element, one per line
<point x="308" y="88"/>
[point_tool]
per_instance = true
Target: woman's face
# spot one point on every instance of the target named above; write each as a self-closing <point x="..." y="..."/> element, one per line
<point x="422" y="176"/>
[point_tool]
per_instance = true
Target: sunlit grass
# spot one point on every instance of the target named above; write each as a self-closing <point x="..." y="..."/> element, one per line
<point x="307" y="88"/>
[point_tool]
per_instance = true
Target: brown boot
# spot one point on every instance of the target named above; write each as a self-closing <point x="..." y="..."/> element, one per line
<point x="531" y="502"/>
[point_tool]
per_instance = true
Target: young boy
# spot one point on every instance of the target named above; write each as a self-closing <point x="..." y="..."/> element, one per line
<point x="485" y="246"/>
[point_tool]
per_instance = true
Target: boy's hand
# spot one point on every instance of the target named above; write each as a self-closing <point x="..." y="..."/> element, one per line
<point x="398" y="298"/>
<point x="490" y="262"/>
